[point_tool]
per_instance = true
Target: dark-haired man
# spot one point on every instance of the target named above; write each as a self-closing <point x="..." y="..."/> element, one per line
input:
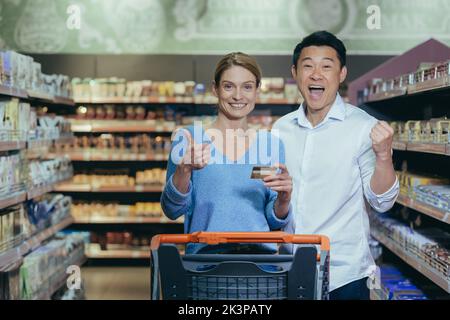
<point x="340" y="159"/>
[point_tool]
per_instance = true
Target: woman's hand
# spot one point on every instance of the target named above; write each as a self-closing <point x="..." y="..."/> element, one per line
<point x="197" y="157"/>
<point x="281" y="183"/>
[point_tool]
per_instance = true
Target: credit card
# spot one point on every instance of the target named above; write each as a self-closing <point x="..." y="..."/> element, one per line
<point x="260" y="172"/>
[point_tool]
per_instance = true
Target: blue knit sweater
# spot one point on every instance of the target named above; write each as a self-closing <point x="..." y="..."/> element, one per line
<point x="221" y="196"/>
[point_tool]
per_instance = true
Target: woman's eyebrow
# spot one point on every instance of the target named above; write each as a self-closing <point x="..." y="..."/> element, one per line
<point x="228" y="81"/>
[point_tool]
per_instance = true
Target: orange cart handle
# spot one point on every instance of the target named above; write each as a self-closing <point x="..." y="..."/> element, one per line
<point x="240" y="237"/>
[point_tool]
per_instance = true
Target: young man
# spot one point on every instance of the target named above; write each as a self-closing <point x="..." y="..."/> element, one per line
<point x="340" y="159"/>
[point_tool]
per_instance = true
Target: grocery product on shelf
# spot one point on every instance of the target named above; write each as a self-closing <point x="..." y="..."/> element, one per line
<point x="120" y="241"/>
<point x="426" y="77"/>
<point x="48" y="172"/>
<point x="154" y="177"/>
<point x="395" y="286"/>
<point x="49" y="210"/>
<point x="13" y="227"/>
<point x="14" y="120"/>
<point x="422" y="131"/>
<point x="436" y="196"/>
<point x="21" y="71"/>
<point x="93" y="210"/>
<point x="115" y="145"/>
<point x="409" y="181"/>
<point x="271" y="88"/>
<point x="430" y="245"/>
<point x="12" y="178"/>
<point x="44" y="270"/>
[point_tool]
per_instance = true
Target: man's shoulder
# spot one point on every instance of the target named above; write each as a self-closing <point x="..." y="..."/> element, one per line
<point x="285" y="120"/>
<point x="358" y="116"/>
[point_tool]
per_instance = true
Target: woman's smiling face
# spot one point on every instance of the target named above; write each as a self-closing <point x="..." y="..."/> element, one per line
<point x="237" y="92"/>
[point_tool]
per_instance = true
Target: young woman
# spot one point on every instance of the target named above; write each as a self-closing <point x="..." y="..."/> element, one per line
<point x="209" y="170"/>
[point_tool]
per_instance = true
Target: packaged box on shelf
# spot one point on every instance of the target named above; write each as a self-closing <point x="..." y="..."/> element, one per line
<point x="11" y="175"/>
<point x="43" y="173"/>
<point x="12" y="226"/>
<point x="437" y="196"/>
<point x="44" y="267"/>
<point x="409" y="181"/>
<point x="427" y="245"/>
<point x="6" y="72"/>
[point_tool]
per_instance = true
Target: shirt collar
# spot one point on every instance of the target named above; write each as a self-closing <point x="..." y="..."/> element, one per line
<point x="337" y="111"/>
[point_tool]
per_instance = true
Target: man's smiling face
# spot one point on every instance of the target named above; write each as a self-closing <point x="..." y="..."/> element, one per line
<point x="318" y="74"/>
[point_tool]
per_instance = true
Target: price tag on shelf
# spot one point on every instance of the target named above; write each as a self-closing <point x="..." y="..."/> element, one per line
<point x="86" y="156"/>
<point x="133" y="156"/>
<point x="162" y="99"/>
<point x="178" y="99"/>
<point x="115" y="156"/>
<point x="139" y="188"/>
<point x="142" y="157"/>
<point x="159" y="128"/>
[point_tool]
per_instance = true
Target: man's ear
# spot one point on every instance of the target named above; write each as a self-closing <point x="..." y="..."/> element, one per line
<point x="294" y="72"/>
<point x="343" y="74"/>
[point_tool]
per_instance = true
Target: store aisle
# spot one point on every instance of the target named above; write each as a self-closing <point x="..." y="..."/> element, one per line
<point x="116" y="283"/>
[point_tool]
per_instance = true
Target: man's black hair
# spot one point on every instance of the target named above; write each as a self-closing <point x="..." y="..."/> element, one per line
<point x="321" y="38"/>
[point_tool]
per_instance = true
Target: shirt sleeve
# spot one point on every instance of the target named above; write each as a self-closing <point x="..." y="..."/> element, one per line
<point x="174" y="203"/>
<point x="366" y="161"/>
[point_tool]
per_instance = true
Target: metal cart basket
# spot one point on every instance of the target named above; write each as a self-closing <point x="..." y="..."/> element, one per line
<point x="303" y="275"/>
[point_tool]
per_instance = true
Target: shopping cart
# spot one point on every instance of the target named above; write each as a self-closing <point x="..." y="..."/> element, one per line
<point x="303" y="275"/>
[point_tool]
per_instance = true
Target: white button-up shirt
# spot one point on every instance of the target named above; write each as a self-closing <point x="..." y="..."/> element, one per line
<point x="331" y="165"/>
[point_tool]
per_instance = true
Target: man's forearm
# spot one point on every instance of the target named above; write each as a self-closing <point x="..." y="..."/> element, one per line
<point x="383" y="177"/>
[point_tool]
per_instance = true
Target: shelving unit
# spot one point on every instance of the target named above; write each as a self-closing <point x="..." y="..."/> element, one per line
<point x="13" y="200"/>
<point x="173" y="100"/>
<point x="424" y="208"/>
<point x="14" y="255"/>
<point x="418" y="265"/>
<point x="419" y="102"/>
<point x="60" y="281"/>
<point x="127" y="220"/>
<point x="12" y="145"/>
<point x="89" y="188"/>
<point x="442" y="149"/>
<point x="35" y="96"/>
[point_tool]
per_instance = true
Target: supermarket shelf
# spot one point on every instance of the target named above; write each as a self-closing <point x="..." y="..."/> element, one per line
<point x="399" y="145"/>
<point x="35" y="95"/>
<point x="443" y="149"/>
<point x="58" y="284"/>
<point x="424" y="208"/>
<point x="432" y="86"/>
<point x="40" y="96"/>
<point x="69" y="187"/>
<point x="15" y="254"/>
<point x="117" y="254"/>
<point x="39" y="191"/>
<point x="111" y="126"/>
<point x="13" y="200"/>
<point x="435" y="148"/>
<point x="87" y="156"/>
<point x="420" y="266"/>
<point x="175" y="100"/>
<point x="12" y="145"/>
<point x="119" y="220"/>
<point x="64" y="101"/>
<point x="13" y="92"/>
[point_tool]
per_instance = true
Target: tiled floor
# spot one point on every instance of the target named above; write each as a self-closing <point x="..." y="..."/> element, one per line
<point x="116" y="283"/>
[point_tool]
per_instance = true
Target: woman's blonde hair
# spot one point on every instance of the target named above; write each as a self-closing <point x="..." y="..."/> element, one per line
<point x="237" y="59"/>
